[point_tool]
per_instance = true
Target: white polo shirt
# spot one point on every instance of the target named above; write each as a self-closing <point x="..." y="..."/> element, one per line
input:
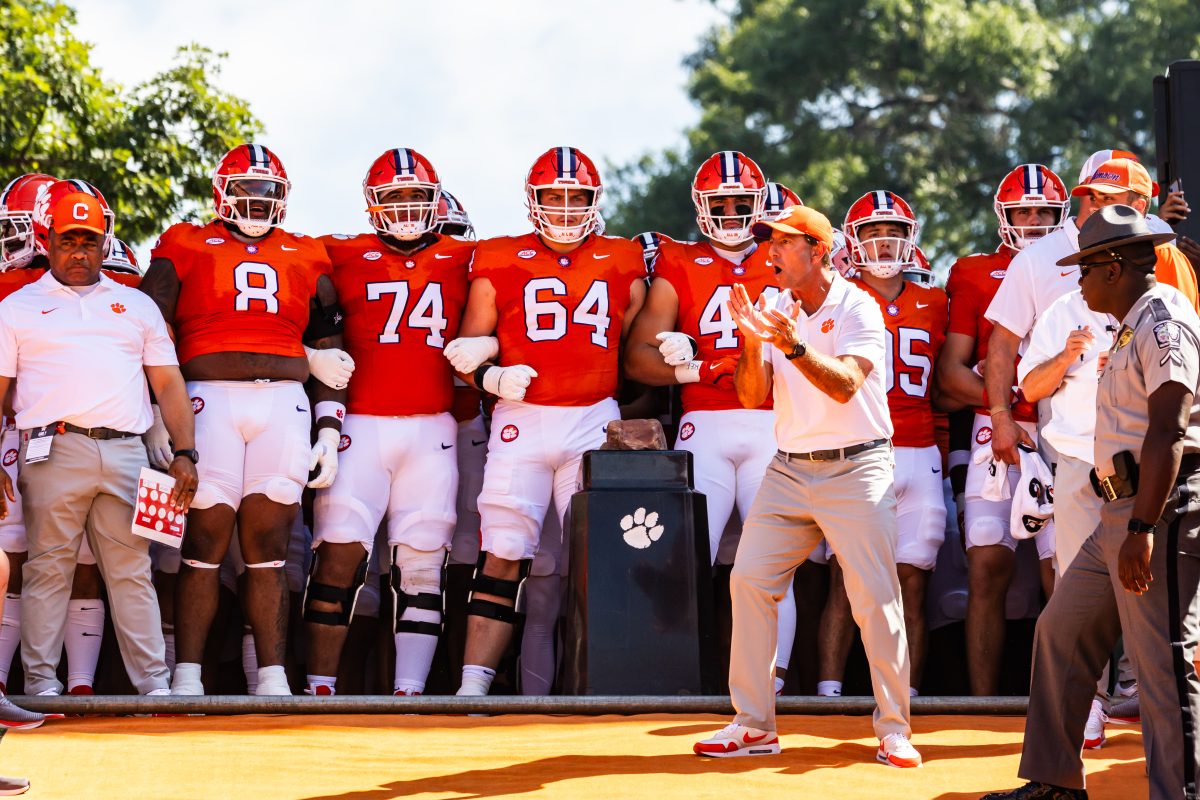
<point x="1034" y="279"/>
<point x="848" y="323"/>
<point x="1072" y="426"/>
<point x="79" y="358"/>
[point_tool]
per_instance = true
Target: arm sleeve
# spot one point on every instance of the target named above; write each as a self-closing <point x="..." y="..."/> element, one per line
<point x="861" y="330"/>
<point x="1014" y="303"/>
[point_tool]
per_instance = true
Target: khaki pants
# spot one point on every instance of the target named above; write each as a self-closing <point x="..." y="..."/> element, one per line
<point x="851" y="504"/>
<point x="87" y="485"/>
<point x="1079" y="627"/>
<point x="1076" y="510"/>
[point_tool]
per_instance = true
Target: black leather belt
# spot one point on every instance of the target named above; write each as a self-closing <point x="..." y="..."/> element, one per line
<point x="1111" y="487"/>
<point x="97" y="433"/>
<point x="833" y="455"/>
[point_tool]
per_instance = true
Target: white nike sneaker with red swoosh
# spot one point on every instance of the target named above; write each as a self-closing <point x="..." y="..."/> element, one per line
<point x="896" y="750"/>
<point x="738" y="740"/>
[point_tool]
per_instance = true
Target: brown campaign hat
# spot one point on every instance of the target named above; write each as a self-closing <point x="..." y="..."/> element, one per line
<point x="1112" y="227"/>
<point x="803" y="220"/>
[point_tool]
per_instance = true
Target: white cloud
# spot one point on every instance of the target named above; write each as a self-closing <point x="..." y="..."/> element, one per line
<point x="481" y="88"/>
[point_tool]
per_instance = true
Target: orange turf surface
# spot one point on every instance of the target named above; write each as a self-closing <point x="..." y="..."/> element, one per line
<point x="610" y="757"/>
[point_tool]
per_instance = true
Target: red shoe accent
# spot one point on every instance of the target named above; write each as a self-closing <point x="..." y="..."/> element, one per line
<point x="403" y="693"/>
<point x="748" y="739"/>
<point x="82" y="689"/>
<point x="322" y="691"/>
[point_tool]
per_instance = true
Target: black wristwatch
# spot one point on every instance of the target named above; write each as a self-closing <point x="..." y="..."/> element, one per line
<point x="192" y="454"/>
<point x="1136" y="526"/>
<point x="799" y="349"/>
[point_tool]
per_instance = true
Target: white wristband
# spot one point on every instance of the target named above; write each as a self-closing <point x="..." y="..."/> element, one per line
<point x="330" y="408"/>
<point x="491" y="380"/>
<point x="688" y="373"/>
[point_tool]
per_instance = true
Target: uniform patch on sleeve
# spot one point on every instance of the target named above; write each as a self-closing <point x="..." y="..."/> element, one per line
<point x="1159" y="309"/>
<point x="1167" y="335"/>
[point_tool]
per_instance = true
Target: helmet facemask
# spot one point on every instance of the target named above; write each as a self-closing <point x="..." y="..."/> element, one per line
<point x="883" y="256"/>
<point x="726" y="215"/>
<point x="1018" y="237"/>
<point x="559" y="215"/>
<point x="404" y="209"/>
<point x="254" y="202"/>
<point x="16" y="240"/>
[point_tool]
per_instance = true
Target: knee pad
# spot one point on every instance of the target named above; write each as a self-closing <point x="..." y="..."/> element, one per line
<point x="511" y="590"/>
<point x="416" y="579"/>
<point x="983" y="531"/>
<point x="279" y="489"/>
<point x="508" y="545"/>
<point x="344" y="596"/>
<point x="424" y="531"/>
<point x="214" y="493"/>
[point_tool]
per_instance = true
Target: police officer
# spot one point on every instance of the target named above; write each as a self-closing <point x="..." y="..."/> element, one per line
<point x="1143" y="559"/>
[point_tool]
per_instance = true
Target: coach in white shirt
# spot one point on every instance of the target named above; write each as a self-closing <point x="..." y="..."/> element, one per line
<point x="820" y="348"/>
<point x="81" y="349"/>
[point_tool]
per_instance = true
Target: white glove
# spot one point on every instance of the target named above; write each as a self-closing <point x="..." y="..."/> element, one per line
<point x="158" y="441"/>
<point x="676" y="348"/>
<point x="324" y="455"/>
<point x="509" y="383"/>
<point x="466" y="354"/>
<point x="331" y="367"/>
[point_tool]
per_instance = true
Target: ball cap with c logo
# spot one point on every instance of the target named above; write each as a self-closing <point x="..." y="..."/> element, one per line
<point x="78" y="211"/>
<point x="801" y="220"/>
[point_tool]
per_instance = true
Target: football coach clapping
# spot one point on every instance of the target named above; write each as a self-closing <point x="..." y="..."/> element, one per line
<point x="81" y="349"/>
<point x="819" y="347"/>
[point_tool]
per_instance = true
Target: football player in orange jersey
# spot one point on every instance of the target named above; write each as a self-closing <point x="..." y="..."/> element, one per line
<point x="403" y="289"/>
<point x="244" y="297"/>
<point x="1030" y="202"/>
<point x="881" y="233"/>
<point x="686" y="335"/>
<point x="555" y="305"/>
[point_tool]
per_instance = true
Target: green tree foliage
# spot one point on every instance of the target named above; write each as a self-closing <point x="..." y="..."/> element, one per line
<point x="150" y="149"/>
<point x="934" y="99"/>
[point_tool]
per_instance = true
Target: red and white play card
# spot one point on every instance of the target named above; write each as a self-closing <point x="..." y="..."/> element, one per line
<point x="154" y="517"/>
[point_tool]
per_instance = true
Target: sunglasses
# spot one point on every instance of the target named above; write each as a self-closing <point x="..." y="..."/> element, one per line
<point x="1084" y="269"/>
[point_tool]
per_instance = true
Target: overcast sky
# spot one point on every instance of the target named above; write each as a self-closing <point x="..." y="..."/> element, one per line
<point x="481" y="88"/>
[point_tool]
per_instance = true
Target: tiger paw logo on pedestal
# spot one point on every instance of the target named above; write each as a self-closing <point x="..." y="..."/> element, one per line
<point x="641" y="529"/>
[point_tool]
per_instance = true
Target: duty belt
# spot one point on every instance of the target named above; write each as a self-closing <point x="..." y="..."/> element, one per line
<point x="1111" y="487"/>
<point x="833" y="455"/>
<point x="94" y="433"/>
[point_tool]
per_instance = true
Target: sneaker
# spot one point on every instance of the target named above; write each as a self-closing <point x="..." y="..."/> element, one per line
<point x="186" y="680"/>
<point x="1035" y="790"/>
<point x="1126" y="712"/>
<point x="738" y="740"/>
<point x="12" y="786"/>
<point x="896" y="751"/>
<point x="320" y="691"/>
<point x="81" y="690"/>
<point x="14" y="717"/>
<point x="1093" y="732"/>
<point x="405" y="693"/>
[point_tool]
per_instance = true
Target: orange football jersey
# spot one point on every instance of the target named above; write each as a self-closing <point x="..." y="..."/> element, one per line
<point x="401" y="310"/>
<point x="13" y="279"/>
<point x="241" y="297"/>
<point x="561" y="314"/>
<point x="702" y="279"/>
<point x="973" y="282"/>
<point x="124" y="278"/>
<point x="916" y="330"/>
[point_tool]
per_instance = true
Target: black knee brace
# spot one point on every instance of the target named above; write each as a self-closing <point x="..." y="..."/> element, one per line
<point x="513" y="590"/>
<point x="345" y="597"/>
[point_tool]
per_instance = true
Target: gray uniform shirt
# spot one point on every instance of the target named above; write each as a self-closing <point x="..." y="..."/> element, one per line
<point x="1158" y="342"/>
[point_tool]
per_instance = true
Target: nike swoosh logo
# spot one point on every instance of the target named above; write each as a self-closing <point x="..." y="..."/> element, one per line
<point x="90" y="634"/>
<point x="476" y="444"/>
<point x="447" y="446"/>
<point x="439" y="256"/>
<point x="289" y="249"/>
<point x="936" y="471"/>
<point x="88" y="608"/>
<point x="748" y="739"/>
<point x="1065" y="274"/>
<point x="49" y="311"/>
<point x="922" y="305"/>
<point x="597" y="256"/>
<point x="301" y="409"/>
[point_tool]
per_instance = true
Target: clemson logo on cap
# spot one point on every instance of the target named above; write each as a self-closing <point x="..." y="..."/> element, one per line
<point x="1101" y="175"/>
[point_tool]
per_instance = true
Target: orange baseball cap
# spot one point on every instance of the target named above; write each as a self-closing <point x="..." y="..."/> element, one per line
<point x="1119" y="175"/>
<point x="78" y="211"/>
<point x="803" y="220"/>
